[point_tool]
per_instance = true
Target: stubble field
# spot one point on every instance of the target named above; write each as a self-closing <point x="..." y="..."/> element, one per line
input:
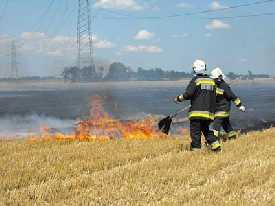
<point x="138" y="172"/>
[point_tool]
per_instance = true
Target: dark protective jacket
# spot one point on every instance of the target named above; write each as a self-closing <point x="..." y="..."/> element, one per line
<point x="202" y="93"/>
<point x="224" y="97"/>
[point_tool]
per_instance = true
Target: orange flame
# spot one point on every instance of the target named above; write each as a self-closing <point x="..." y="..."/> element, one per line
<point x="100" y="126"/>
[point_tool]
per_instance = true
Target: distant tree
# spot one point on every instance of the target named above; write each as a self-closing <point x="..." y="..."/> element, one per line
<point x="89" y="74"/>
<point x="86" y="74"/>
<point x="71" y="74"/>
<point x="261" y="76"/>
<point x="101" y="70"/>
<point x="174" y="75"/>
<point x="250" y="75"/>
<point x="66" y="74"/>
<point x="75" y="74"/>
<point x="232" y="75"/>
<point x="159" y="74"/>
<point x="141" y="74"/>
<point x="118" y="71"/>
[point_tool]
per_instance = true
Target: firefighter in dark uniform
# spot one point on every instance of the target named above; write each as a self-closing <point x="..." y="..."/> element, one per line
<point x="223" y="105"/>
<point x="202" y="93"/>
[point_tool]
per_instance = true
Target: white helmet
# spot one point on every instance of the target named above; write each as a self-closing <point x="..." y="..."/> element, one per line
<point x="217" y="73"/>
<point x="199" y="67"/>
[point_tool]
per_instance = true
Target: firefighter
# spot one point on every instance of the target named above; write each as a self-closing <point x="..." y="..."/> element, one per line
<point x="202" y="93"/>
<point x="223" y="105"/>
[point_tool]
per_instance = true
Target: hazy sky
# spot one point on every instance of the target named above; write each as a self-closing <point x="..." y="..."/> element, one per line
<point x="45" y="34"/>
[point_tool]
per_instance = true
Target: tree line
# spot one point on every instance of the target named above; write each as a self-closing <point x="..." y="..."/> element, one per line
<point x="117" y="71"/>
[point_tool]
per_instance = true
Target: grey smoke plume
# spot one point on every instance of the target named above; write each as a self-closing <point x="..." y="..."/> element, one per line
<point x="40" y="54"/>
<point x="23" y="126"/>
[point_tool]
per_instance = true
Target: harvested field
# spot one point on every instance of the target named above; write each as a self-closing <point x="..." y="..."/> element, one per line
<point x="138" y="172"/>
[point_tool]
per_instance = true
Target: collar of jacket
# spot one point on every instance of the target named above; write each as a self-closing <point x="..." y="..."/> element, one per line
<point x="201" y="75"/>
<point x="219" y="81"/>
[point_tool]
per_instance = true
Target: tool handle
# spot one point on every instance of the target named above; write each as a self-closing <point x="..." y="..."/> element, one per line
<point x="180" y="111"/>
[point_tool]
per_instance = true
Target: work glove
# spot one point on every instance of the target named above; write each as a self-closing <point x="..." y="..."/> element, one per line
<point x="178" y="99"/>
<point x="242" y="108"/>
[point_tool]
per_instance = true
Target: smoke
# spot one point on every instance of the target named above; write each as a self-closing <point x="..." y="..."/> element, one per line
<point x="40" y="54"/>
<point x="18" y="126"/>
<point x="23" y="126"/>
<point x="102" y="64"/>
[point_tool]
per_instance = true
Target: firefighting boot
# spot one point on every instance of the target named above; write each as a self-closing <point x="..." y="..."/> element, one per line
<point x="223" y="136"/>
<point x="232" y="135"/>
<point x="216" y="146"/>
<point x="220" y="136"/>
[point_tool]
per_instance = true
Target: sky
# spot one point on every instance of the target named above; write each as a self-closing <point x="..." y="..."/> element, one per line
<point x="153" y="33"/>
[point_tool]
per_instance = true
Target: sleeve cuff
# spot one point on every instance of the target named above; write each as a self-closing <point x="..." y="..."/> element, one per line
<point x="237" y="102"/>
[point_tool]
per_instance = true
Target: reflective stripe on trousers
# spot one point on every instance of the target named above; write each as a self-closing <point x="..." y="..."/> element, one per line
<point x="222" y="114"/>
<point x="201" y="114"/>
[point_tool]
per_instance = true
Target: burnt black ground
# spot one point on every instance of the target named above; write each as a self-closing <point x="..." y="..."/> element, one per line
<point x="134" y="103"/>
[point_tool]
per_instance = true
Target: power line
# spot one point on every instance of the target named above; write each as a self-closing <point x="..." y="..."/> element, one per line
<point x="233" y="7"/>
<point x="4" y="9"/>
<point x="67" y="17"/>
<point x="243" y="16"/>
<point x="53" y="19"/>
<point x="42" y="16"/>
<point x="129" y="17"/>
<point x="115" y="13"/>
<point x="14" y="68"/>
<point x="65" y="21"/>
<point x="45" y="13"/>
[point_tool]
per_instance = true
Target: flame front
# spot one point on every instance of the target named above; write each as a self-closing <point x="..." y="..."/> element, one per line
<point x="100" y="126"/>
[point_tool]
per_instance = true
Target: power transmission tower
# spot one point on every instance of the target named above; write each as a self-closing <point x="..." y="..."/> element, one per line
<point x="14" y="68"/>
<point x="84" y="35"/>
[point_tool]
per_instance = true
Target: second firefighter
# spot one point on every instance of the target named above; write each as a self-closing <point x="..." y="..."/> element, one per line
<point x="223" y="105"/>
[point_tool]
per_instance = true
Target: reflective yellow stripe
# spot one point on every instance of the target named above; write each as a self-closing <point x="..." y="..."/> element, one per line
<point x="208" y="82"/>
<point x="237" y="102"/>
<point x="219" y="91"/>
<point x="216" y="133"/>
<point x="215" y="145"/>
<point x="222" y="114"/>
<point x="206" y="115"/>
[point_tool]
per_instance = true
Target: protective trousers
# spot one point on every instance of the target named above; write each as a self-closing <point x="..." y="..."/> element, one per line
<point x="224" y="123"/>
<point x="197" y="127"/>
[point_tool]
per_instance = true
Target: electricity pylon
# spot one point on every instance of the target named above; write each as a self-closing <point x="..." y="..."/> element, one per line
<point x="13" y="63"/>
<point x="84" y="35"/>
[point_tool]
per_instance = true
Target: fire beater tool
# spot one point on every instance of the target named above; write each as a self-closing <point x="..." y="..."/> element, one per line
<point x="165" y="124"/>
